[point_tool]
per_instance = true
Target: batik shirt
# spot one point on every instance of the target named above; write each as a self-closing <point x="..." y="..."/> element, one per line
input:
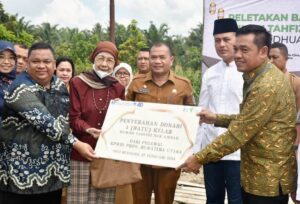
<point x="37" y="138"/>
<point x="265" y="132"/>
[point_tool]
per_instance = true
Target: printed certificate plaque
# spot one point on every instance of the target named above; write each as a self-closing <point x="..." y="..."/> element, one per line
<point x="148" y="133"/>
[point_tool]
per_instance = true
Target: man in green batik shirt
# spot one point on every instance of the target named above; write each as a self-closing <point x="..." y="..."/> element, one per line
<point x="264" y="129"/>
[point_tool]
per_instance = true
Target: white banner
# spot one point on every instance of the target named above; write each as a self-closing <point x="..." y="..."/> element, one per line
<point x="281" y="18"/>
<point x="148" y="133"/>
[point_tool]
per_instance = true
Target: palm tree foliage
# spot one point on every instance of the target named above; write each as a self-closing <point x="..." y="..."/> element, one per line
<point x="78" y="44"/>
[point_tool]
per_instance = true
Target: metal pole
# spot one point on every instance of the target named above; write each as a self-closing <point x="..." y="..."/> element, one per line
<point x="112" y="21"/>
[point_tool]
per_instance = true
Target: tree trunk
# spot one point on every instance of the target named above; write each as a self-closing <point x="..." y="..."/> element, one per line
<point x="112" y="21"/>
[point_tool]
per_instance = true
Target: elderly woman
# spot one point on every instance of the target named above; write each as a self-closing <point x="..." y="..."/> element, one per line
<point x="90" y="94"/>
<point x="123" y="73"/>
<point x="7" y="68"/>
<point x="65" y="70"/>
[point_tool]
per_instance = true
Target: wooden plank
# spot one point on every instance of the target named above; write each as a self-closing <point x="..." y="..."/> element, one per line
<point x="186" y="183"/>
<point x="191" y="189"/>
<point x="191" y="193"/>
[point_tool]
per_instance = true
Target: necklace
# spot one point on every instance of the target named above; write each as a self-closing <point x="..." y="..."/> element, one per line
<point x="100" y="109"/>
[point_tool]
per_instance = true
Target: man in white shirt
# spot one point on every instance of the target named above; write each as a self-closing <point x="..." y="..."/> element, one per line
<point x="221" y="92"/>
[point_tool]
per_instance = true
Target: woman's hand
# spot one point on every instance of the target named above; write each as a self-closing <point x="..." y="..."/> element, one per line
<point x="94" y="132"/>
<point x="85" y="150"/>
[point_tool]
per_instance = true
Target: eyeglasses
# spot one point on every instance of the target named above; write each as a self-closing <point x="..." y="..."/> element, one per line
<point x="124" y="74"/>
<point x="109" y="61"/>
<point x="10" y="59"/>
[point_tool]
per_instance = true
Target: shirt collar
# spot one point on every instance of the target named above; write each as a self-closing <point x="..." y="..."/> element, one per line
<point x="149" y="77"/>
<point x="230" y="65"/>
<point x="250" y="76"/>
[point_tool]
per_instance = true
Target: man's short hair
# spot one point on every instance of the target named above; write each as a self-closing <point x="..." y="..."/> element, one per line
<point x="159" y="44"/>
<point x="21" y="45"/>
<point x="282" y="47"/>
<point x="41" y="46"/>
<point x="144" y="49"/>
<point x="262" y="36"/>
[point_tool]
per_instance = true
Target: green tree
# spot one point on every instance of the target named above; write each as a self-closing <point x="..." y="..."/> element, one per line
<point x="121" y="34"/>
<point x="135" y="41"/>
<point x="14" y="29"/>
<point x="6" y="34"/>
<point x="195" y="37"/>
<point x="192" y="56"/>
<point x="176" y="44"/>
<point x="47" y="33"/>
<point x="154" y="34"/>
<point x="100" y="32"/>
<point x="20" y="25"/>
<point x="78" y="44"/>
<point x="79" y="49"/>
<point x="66" y="35"/>
<point x="23" y="38"/>
<point x="194" y="77"/>
<point x="4" y="17"/>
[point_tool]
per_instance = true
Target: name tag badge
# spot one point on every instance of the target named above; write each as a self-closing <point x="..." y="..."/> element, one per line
<point x="144" y="90"/>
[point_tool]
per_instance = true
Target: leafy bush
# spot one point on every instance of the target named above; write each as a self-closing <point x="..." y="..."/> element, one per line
<point x="194" y="76"/>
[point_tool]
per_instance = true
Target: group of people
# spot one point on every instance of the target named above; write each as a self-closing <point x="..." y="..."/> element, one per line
<point x="51" y="120"/>
<point x="248" y="129"/>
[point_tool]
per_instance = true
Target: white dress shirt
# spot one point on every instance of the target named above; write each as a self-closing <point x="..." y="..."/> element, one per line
<point x="298" y="180"/>
<point x="221" y="92"/>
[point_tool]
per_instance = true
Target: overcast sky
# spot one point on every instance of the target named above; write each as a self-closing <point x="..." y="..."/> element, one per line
<point x="179" y="15"/>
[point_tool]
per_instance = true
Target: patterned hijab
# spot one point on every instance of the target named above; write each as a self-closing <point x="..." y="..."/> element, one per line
<point x="92" y="79"/>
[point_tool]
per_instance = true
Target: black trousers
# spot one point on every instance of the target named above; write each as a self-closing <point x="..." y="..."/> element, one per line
<point x="43" y="198"/>
<point x="254" y="199"/>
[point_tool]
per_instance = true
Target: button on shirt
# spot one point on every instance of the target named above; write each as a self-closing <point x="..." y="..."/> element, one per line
<point x="221" y="92"/>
